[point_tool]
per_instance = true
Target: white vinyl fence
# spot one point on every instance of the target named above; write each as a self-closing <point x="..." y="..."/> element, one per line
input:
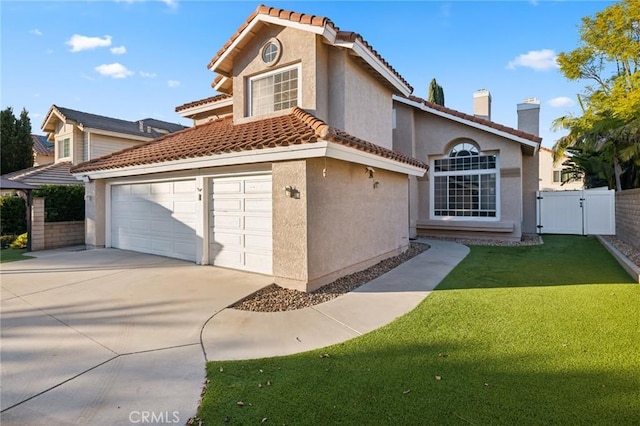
<point x="584" y="212"/>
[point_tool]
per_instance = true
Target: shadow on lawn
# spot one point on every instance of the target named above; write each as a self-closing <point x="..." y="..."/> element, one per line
<point x="561" y="260"/>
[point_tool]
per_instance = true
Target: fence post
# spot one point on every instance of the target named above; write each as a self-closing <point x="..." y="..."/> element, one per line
<point x="37" y="224"/>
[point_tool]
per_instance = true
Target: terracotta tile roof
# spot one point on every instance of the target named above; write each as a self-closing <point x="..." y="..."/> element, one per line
<point x="48" y="174"/>
<point x="317" y="21"/>
<point x="41" y="145"/>
<point x="222" y="136"/>
<point x="205" y="101"/>
<point x="475" y="119"/>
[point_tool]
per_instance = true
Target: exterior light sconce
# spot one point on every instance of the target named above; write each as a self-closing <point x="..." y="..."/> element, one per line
<point x="370" y="171"/>
<point x="291" y="192"/>
<point x="376" y="184"/>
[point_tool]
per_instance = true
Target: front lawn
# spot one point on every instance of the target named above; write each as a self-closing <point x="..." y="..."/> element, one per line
<point x="514" y="335"/>
<point x="13" y="255"/>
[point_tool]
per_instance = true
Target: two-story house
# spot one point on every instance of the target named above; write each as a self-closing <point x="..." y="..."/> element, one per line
<point x="73" y="137"/>
<point x="305" y="165"/>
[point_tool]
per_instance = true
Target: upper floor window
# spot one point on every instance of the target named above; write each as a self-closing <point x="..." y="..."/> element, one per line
<point x="64" y="148"/>
<point x="465" y="184"/>
<point x="274" y="91"/>
<point x="562" y="176"/>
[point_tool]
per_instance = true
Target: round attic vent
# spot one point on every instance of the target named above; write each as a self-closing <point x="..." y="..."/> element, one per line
<point x="271" y="52"/>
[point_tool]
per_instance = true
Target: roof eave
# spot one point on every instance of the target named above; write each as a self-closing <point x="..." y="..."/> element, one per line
<point x="534" y="146"/>
<point x="321" y="148"/>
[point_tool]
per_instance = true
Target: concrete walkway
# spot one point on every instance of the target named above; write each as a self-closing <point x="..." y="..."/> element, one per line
<point x="109" y="336"/>
<point x="234" y="334"/>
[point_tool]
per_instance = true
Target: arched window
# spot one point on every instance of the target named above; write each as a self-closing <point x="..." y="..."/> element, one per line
<point x="465" y="183"/>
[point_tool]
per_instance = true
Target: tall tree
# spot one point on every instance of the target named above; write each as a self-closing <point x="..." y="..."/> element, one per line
<point x="436" y="93"/>
<point x="16" y="148"/>
<point x="609" y="58"/>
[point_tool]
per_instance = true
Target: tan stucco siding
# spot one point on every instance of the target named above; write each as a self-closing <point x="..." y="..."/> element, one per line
<point x="368" y="106"/>
<point x="530" y="183"/>
<point x="95" y="213"/>
<point x="297" y="48"/>
<point x="42" y="159"/>
<point x="100" y="145"/>
<point x="351" y="224"/>
<point x="546" y="169"/>
<point x="434" y="137"/>
<point x="290" y="260"/>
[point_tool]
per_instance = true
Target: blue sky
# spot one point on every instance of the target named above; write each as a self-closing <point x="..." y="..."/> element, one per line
<point x="139" y="59"/>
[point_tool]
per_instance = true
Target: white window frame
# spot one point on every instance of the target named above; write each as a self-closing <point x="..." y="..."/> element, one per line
<point x="250" y="81"/>
<point x="61" y="148"/>
<point x="432" y="181"/>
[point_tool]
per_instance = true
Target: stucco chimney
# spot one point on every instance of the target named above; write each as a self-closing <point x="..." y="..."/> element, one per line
<point x="529" y="116"/>
<point x="482" y="104"/>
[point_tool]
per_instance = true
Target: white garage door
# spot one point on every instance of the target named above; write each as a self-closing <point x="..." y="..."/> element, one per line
<point x="240" y="221"/>
<point x="156" y="218"/>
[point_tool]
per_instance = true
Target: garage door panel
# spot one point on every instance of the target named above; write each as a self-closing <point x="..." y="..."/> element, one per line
<point x="151" y="218"/>
<point x="184" y="187"/>
<point x="259" y="242"/>
<point x="227" y="186"/>
<point x="257" y="205"/>
<point x="258" y="223"/>
<point x="228" y="205"/>
<point x="241" y="229"/>
<point x="262" y="186"/>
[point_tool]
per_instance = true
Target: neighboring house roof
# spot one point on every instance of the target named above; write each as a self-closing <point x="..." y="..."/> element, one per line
<point x="48" y="174"/>
<point x="10" y="184"/>
<point x="518" y="135"/>
<point x="202" y="102"/>
<point x="370" y="58"/>
<point x="145" y="127"/>
<point x="41" y="145"/>
<point x="222" y="136"/>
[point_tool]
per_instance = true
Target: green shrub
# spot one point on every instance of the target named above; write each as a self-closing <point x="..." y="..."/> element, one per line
<point x="6" y="240"/>
<point x="62" y="203"/>
<point x="13" y="215"/>
<point x="20" y="242"/>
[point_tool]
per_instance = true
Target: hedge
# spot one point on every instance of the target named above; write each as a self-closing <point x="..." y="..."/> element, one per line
<point x="13" y="215"/>
<point x="62" y="203"/>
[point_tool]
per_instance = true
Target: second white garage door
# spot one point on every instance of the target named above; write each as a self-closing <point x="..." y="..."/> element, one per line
<point x="156" y="218"/>
<point x="240" y="223"/>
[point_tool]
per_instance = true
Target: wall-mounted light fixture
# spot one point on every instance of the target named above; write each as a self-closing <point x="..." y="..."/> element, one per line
<point x="291" y="192"/>
<point x="371" y="171"/>
<point x="376" y="184"/>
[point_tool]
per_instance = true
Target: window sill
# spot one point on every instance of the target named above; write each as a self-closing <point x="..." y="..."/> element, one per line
<point x="468" y="225"/>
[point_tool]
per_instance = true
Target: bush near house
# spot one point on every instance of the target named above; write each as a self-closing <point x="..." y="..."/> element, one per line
<point x="13" y="219"/>
<point x="20" y="242"/>
<point x="62" y="203"/>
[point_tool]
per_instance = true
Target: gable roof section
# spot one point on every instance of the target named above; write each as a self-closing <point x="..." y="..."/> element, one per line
<point x="143" y="128"/>
<point x="48" y="174"/>
<point x="41" y="145"/>
<point x="222" y="136"/>
<point x="528" y="140"/>
<point x="320" y="25"/>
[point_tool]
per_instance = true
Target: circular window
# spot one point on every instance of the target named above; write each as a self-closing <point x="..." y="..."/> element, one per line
<point x="271" y="52"/>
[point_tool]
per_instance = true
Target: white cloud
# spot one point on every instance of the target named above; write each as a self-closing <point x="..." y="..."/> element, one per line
<point x="120" y="50"/>
<point x="539" y="60"/>
<point x="173" y="83"/>
<point x="80" y="42"/>
<point x="561" y="102"/>
<point x="147" y="74"/>
<point x="171" y="3"/>
<point x="36" y="32"/>
<point x="49" y="51"/>
<point x="114" y="70"/>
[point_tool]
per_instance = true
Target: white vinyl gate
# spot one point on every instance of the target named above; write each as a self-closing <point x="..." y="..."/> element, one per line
<point x="584" y="212"/>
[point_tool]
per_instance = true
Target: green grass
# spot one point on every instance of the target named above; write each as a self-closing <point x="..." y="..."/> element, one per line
<point x="13" y="255"/>
<point x="518" y="335"/>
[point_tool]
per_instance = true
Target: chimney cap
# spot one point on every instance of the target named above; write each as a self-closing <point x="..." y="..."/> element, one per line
<point x="529" y="103"/>
<point x="481" y="92"/>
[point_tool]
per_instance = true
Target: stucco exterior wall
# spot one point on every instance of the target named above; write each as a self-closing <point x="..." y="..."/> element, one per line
<point x="290" y="238"/>
<point x="298" y="47"/>
<point x="42" y="159"/>
<point x="351" y="223"/>
<point x="530" y="184"/>
<point x="94" y="206"/>
<point x="434" y="137"/>
<point x="628" y="216"/>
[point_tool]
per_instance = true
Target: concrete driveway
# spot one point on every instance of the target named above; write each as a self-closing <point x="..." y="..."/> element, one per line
<point x="108" y="336"/>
